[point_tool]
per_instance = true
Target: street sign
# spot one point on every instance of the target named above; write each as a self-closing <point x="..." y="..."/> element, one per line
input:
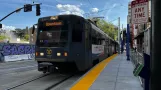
<point x="139" y="11"/>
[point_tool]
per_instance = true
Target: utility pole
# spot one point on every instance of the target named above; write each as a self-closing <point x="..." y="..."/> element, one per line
<point x="27" y="30"/>
<point x="119" y="34"/>
<point x="127" y="40"/>
<point x="122" y="40"/>
<point x="122" y="30"/>
<point x="155" y="63"/>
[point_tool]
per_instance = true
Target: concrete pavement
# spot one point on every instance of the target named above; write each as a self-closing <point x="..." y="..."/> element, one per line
<point x="117" y="75"/>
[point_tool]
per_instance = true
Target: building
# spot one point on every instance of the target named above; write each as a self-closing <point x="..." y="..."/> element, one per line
<point x="130" y="25"/>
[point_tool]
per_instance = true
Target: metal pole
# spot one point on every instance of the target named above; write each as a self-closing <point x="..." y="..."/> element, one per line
<point x="119" y="34"/>
<point x="127" y="42"/>
<point x="156" y="46"/>
<point x="122" y="43"/>
<point x="11" y="13"/>
<point x="14" y="12"/>
<point x="122" y="30"/>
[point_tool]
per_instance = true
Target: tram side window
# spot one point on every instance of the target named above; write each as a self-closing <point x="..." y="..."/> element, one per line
<point x="87" y="36"/>
<point x="97" y="41"/>
<point x="109" y="42"/>
<point x="94" y="40"/>
<point x="76" y="32"/>
<point x="103" y="42"/>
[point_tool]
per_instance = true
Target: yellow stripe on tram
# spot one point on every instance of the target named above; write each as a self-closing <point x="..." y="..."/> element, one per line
<point x="91" y="76"/>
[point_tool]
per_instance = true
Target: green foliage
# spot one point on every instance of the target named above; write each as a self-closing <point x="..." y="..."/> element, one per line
<point x="108" y="28"/>
<point x="2" y="37"/>
<point x="22" y="33"/>
<point x="26" y="37"/>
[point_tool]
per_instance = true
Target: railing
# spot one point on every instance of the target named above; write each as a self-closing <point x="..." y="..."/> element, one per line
<point x="136" y="58"/>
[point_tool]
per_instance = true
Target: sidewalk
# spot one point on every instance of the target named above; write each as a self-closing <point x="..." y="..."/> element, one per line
<point x="117" y="75"/>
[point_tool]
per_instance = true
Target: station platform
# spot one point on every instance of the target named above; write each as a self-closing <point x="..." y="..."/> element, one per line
<point x="114" y="73"/>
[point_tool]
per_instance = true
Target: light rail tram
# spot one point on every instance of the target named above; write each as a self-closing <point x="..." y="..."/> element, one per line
<point x="70" y="42"/>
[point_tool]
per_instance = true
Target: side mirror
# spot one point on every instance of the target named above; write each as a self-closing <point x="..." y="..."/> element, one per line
<point x="33" y="29"/>
<point x="0" y="25"/>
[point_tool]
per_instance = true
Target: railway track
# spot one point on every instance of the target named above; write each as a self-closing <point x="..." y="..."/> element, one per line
<point x="61" y="79"/>
<point x="18" y="85"/>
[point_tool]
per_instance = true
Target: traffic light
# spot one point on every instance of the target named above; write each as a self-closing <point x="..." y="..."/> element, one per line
<point x="27" y="8"/>
<point x="37" y="9"/>
<point x="0" y="25"/>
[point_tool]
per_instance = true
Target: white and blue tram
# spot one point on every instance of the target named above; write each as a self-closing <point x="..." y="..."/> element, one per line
<point x="70" y="41"/>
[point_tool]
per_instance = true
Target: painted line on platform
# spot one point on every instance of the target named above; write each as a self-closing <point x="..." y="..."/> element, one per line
<point x="86" y="82"/>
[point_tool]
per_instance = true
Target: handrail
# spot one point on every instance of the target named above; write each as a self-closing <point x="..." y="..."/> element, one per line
<point x="137" y="57"/>
<point x="139" y="53"/>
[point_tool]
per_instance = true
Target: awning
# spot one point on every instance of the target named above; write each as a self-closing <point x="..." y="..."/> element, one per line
<point x="141" y="34"/>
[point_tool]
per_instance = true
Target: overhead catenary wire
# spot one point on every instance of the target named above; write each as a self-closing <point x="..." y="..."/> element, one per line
<point x="104" y="9"/>
<point x="91" y="3"/>
<point x="113" y="20"/>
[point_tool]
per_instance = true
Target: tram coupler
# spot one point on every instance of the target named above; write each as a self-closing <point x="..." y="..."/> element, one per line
<point x="45" y="67"/>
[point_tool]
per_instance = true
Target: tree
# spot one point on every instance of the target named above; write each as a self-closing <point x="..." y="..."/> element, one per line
<point x="3" y="37"/>
<point x="108" y="28"/>
<point x="26" y="37"/>
<point x="21" y="33"/>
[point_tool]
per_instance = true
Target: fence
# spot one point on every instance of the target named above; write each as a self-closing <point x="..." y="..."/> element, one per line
<point x="136" y="58"/>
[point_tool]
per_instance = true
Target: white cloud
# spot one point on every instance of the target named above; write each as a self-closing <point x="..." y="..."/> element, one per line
<point x="4" y="27"/>
<point x="94" y="10"/>
<point x="114" y="5"/>
<point x="65" y="12"/>
<point x="70" y="9"/>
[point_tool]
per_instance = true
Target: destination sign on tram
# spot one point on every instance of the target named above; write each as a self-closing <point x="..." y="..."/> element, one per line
<point x="53" y="24"/>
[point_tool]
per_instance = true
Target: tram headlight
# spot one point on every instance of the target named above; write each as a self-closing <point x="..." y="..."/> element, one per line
<point x="41" y="54"/>
<point x="58" y="54"/>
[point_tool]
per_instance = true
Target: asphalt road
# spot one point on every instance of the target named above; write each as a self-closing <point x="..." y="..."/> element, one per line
<point x="11" y="72"/>
<point x="16" y="67"/>
<point x="17" y="64"/>
<point x="14" y="73"/>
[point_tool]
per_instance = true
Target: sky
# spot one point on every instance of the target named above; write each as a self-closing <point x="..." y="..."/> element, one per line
<point x="109" y="9"/>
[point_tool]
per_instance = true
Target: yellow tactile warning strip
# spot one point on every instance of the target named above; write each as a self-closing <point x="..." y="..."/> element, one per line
<point x="91" y="76"/>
